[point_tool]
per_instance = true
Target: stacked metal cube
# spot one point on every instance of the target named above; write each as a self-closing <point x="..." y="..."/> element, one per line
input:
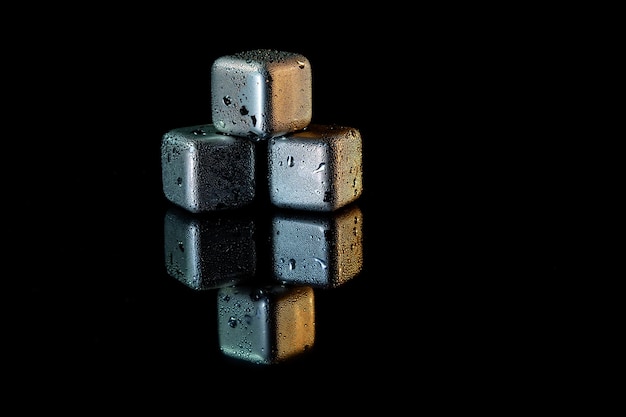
<point x="262" y="98"/>
<point x="261" y="142"/>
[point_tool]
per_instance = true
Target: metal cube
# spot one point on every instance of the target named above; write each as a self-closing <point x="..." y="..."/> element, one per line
<point x="261" y="93"/>
<point x="265" y="325"/>
<point x="318" y="168"/>
<point x="323" y="250"/>
<point x="209" y="251"/>
<point x="204" y="170"/>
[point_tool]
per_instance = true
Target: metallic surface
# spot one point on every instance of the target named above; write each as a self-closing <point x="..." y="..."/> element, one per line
<point x="323" y="250"/>
<point x="208" y="252"/>
<point x="205" y="170"/>
<point x="265" y="325"/>
<point x="319" y="168"/>
<point x="261" y="93"/>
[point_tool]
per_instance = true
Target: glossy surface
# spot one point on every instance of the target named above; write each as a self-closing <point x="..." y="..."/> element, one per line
<point x="265" y="325"/>
<point x="323" y="251"/>
<point x="207" y="252"/>
<point x="204" y="170"/>
<point x="261" y="93"/>
<point x="318" y="169"/>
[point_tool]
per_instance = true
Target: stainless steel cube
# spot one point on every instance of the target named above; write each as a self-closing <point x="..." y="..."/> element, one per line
<point x="204" y="170"/>
<point x="265" y="325"/>
<point x="318" y="168"/>
<point x="261" y="93"/>
<point x="209" y="251"/>
<point x="323" y="250"/>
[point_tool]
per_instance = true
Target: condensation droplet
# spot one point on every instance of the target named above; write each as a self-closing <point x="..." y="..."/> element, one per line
<point x="290" y="161"/>
<point x="257" y="294"/>
<point x="320" y="168"/>
<point x="292" y="264"/>
<point x="321" y="263"/>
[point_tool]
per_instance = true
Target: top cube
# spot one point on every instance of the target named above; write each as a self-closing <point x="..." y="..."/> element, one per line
<point x="261" y="93"/>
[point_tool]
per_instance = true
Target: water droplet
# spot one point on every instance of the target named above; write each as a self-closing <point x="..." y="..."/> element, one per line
<point x="301" y="64"/>
<point x="220" y="124"/>
<point x="321" y="263"/>
<point x="179" y="181"/>
<point x="320" y="168"/>
<point x="232" y="322"/>
<point x="292" y="264"/>
<point x="290" y="161"/>
<point x="227" y="100"/>
<point x="257" y="294"/>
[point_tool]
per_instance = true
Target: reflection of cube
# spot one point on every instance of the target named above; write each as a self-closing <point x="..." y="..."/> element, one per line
<point x="261" y="93"/>
<point x="206" y="252"/>
<point x="319" y="168"/>
<point x="265" y="325"/>
<point x="323" y="250"/>
<point x="204" y="170"/>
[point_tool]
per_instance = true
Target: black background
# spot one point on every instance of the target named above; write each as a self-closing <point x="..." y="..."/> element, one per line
<point x="466" y="196"/>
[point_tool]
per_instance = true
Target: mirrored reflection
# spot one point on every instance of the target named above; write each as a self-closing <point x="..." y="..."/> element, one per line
<point x="265" y="325"/>
<point x="324" y="251"/>
<point x="208" y="251"/>
<point x="264" y="275"/>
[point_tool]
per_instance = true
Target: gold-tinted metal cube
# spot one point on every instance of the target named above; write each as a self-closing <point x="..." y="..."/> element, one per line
<point x="317" y="169"/>
<point x="266" y="325"/>
<point x="323" y="250"/>
<point x="261" y="93"/>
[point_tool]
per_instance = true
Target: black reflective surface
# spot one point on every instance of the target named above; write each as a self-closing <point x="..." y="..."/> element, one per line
<point x="463" y="241"/>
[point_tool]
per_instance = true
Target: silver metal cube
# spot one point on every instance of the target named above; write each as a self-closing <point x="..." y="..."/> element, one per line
<point x="261" y="93"/>
<point x="265" y="325"/>
<point x="204" y="170"/>
<point x="209" y="251"/>
<point x="323" y="250"/>
<point x="318" y="168"/>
